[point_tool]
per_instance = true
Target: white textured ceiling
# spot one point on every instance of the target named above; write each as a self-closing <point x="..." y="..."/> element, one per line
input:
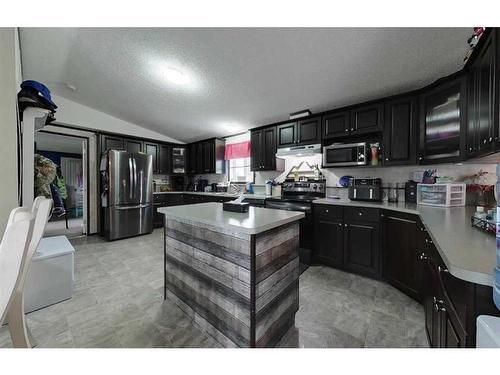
<point x="240" y="78"/>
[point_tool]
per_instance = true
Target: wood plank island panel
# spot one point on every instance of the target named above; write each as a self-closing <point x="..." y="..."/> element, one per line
<point x="242" y="289"/>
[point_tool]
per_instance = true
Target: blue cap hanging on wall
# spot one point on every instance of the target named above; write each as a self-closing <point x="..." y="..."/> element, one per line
<point x="41" y="90"/>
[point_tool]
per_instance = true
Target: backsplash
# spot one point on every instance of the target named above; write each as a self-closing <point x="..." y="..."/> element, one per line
<point x="387" y="174"/>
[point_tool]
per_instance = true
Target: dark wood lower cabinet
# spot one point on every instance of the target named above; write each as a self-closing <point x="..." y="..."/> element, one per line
<point x="329" y="235"/>
<point x="401" y="257"/>
<point x="361" y="249"/>
<point x="347" y="238"/>
<point x="356" y="239"/>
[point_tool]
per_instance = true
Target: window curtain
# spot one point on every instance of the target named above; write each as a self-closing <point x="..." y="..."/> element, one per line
<point x="237" y="150"/>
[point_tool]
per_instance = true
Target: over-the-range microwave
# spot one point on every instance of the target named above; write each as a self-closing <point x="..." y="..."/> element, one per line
<point x="345" y="154"/>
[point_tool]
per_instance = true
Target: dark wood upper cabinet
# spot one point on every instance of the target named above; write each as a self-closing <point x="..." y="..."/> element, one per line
<point x="256" y="151"/>
<point x="309" y="131"/>
<point x="336" y="125"/>
<point x="263" y="149"/>
<point x="367" y="119"/>
<point x="192" y="158"/>
<point x="301" y="132"/>
<point x="269" y="149"/>
<point x="109" y="142"/>
<point x="209" y="156"/>
<point x="133" y="145"/>
<point x="400" y="131"/>
<point x="442" y="118"/>
<point x="153" y="150"/>
<point x="287" y="134"/>
<point x="401" y="266"/>
<point x="482" y="106"/>
<point x="165" y="159"/>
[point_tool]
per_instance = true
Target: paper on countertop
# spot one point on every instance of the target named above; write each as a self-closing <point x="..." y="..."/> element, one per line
<point x="238" y="200"/>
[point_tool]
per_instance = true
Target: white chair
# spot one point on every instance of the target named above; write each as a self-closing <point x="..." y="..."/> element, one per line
<point x="13" y="248"/>
<point x="17" y="323"/>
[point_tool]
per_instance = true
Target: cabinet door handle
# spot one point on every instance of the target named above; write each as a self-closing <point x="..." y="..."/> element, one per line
<point x="347" y="130"/>
<point x="424" y="256"/>
<point x="327" y="211"/>
<point x="420" y="158"/>
<point x="491" y="138"/>
<point x="345" y="225"/>
<point x="443" y="270"/>
<point x="352" y="129"/>
<point x="360" y="214"/>
<point x="484" y="141"/>
<point x="340" y="224"/>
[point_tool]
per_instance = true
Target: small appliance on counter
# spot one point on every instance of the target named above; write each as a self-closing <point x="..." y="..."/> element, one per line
<point x="365" y="189"/>
<point x="200" y="184"/>
<point x="411" y="192"/>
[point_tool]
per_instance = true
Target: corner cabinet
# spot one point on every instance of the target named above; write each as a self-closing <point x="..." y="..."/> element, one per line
<point x="482" y="134"/>
<point x="263" y="149"/>
<point x="401" y="263"/>
<point x="400" y="131"/>
<point x="443" y="109"/>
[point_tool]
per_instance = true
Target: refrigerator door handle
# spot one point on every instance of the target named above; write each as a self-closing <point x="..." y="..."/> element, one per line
<point x="135" y="178"/>
<point x="131" y="178"/>
<point x="131" y="207"/>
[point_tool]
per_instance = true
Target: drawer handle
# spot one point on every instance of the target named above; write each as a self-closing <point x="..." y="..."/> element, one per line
<point x="360" y="213"/>
<point x="424" y="256"/>
<point x="326" y="211"/>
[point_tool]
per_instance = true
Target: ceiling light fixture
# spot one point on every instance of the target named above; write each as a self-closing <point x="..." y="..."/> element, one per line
<point x="176" y="76"/>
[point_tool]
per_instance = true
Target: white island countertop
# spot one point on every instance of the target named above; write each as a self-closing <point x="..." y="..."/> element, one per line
<point x="217" y="194"/>
<point x="468" y="253"/>
<point x="256" y="220"/>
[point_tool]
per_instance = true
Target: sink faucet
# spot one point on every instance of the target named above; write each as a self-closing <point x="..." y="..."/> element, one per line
<point x="234" y="186"/>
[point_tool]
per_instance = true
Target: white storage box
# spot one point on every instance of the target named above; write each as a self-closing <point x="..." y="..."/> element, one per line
<point x="51" y="275"/>
<point x="444" y="195"/>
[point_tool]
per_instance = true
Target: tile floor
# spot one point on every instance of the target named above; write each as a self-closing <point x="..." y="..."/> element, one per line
<point x="58" y="228"/>
<point x="118" y="302"/>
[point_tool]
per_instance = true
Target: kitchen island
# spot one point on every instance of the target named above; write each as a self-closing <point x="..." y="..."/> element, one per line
<point x="235" y="274"/>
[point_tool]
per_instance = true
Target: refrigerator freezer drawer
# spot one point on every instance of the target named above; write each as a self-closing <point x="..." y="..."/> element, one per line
<point x="128" y="221"/>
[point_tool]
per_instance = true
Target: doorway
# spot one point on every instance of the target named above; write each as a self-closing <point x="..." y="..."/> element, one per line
<point x="68" y="189"/>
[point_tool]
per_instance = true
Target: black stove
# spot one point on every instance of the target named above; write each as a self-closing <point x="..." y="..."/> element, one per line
<point x="298" y="196"/>
<point x="302" y="191"/>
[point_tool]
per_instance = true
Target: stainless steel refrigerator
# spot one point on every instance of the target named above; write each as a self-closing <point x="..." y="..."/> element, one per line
<point x="126" y="194"/>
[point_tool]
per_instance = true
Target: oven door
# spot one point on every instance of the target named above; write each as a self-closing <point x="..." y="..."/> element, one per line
<point x="338" y="155"/>
<point x="306" y="227"/>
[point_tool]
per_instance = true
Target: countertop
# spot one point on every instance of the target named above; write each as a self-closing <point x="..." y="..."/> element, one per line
<point x="468" y="253"/>
<point x="216" y="194"/>
<point x="256" y="220"/>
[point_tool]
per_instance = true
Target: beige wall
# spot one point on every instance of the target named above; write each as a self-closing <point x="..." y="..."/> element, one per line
<point x="8" y="124"/>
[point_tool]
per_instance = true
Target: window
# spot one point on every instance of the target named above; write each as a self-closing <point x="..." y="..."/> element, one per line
<point x="239" y="170"/>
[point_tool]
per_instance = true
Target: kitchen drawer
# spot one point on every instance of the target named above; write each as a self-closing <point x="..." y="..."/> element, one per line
<point x="330" y="211"/>
<point x="158" y="198"/>
<point x="362" y="214"/>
